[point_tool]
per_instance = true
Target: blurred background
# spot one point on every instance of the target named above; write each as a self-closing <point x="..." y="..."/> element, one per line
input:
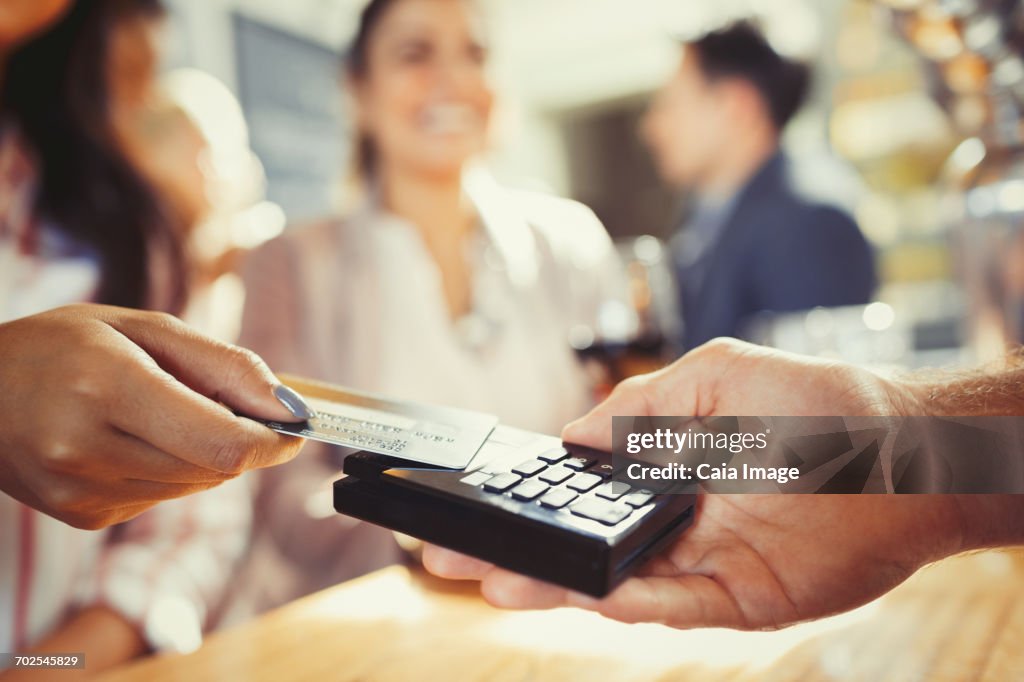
<point x="913" y="124"/>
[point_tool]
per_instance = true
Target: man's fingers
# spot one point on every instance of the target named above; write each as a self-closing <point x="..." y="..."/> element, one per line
<point x="445" y="563"/>
<point x="638" y="396"/>
<point x="681" y="389"/>
<point x="595" y="429"/>
<point x="688" y="601"/>
<point x="224" y="373"/>
<point x="513" y="591"/>
<point x="452" y="565"/>
<point x="499" y="587"/>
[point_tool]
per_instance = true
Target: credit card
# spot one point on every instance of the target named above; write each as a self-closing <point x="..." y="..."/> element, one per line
<point x="424" y="434"/>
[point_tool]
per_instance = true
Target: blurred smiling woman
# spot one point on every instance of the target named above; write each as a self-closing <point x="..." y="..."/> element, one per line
<point x="442" y="286"/>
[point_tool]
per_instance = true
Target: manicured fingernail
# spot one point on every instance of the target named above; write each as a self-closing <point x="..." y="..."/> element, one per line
<point x="295" y="403"/>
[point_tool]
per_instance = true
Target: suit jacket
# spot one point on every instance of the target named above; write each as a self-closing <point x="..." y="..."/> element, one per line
<point x="777" y="251"/>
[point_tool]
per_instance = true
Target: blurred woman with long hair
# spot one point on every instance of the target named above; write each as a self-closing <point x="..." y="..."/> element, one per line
<point x="80" y="223"/>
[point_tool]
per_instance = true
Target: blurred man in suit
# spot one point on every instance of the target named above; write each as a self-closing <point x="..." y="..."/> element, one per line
<point x="752" y="243"/>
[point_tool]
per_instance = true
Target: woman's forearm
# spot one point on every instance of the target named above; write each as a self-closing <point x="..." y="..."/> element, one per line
<point x="104" y="636"/>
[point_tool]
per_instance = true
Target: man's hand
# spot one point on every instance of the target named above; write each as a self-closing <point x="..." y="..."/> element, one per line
<point x="104" y="412"/>
<point x="755" y="561"/>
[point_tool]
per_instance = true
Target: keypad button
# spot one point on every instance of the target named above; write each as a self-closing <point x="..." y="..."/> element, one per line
<point x="501" y="483"/>
<point x="638" y="498"/>
<point x="558" y="498"/>
<point x="583" y="482"/>
<point x="554" y="455"/>
<point x="604" y="512"/>
<point x="475" y="478"/>
<point x="529" y="490"/>
<point x="579" y="463"/>
<point x="603" y="470"/>
<point x="529" y="467"/>
<point x="556" y="475"/>
<point x="612" y="490"/>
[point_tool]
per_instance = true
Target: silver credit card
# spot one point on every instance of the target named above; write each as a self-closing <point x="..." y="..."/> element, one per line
<point x="425" y="434"/>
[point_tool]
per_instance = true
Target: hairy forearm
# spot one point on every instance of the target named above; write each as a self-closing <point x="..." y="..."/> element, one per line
<point x="995" y="391"/>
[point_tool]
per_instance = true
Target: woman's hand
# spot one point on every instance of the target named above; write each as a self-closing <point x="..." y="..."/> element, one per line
<point x="105" y="411"/>
<point x="759" y="561"/>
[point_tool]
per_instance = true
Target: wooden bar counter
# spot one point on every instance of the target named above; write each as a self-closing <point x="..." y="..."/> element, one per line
<point x="961" y="619"/>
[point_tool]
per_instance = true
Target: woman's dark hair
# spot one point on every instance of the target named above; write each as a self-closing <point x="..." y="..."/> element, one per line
<point x="740" y="50"/>
<point x="357" y="64"/>
<point x="356" y="60"/>
<point x="357" y="55"/>
<point x="56" y="91"/>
